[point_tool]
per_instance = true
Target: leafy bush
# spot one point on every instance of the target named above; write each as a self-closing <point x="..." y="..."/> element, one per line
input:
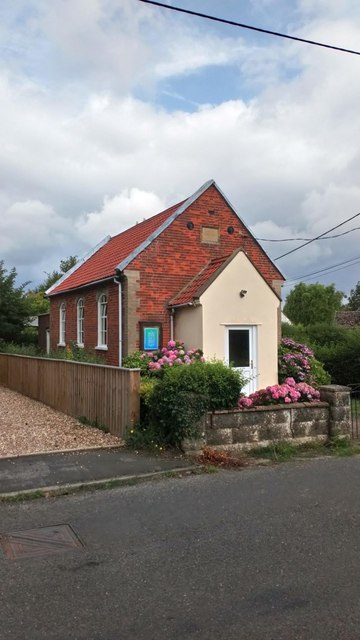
<point x="137" y="360"/>
<point x="184" y="394"/>
<point x="71" y="352"/>
<point x="21" y="350"/>
<point x="144" y="436"/>
<point x="297" y="361"/>
<point x="289" y="391"/>
<point x="338" y="348"/>
<point x="342" y="360"/>
<point x="224" y="385"/>
<point x="147" y="386"/>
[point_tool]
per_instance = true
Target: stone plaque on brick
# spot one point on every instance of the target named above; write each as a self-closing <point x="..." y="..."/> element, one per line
<point x="210" y="235"/>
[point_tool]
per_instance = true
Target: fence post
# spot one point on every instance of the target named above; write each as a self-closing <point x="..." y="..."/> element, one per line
<point x="134" y="387"/>
<point x="338" y="397"/>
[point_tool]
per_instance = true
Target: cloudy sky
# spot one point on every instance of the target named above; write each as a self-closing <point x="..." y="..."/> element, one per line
<point x="111" y="110"/>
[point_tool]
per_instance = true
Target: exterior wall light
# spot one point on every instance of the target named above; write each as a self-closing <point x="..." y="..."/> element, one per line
<point x="243" y="293"/>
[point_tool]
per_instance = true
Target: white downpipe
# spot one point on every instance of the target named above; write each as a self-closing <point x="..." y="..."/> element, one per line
<point x="120" y="322"/>
<point x="172" y="325"/>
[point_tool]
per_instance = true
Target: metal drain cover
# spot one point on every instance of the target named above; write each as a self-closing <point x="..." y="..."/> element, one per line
<point x="33" y="543"/>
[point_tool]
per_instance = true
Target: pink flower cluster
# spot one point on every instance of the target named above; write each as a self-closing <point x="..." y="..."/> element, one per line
<point x="296" y="346"/>
<point x="295" y="361"/>
<point x="286" y="393"/>
<point x="173" y="354"/>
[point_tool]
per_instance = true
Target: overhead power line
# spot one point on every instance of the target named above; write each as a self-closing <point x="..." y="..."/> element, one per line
<point x="330" y="266"/>
<point x="317" y="237"/>
<point x="337" y="235"/>
<point x="241" y="25"/>
<point x="347" y="266"/>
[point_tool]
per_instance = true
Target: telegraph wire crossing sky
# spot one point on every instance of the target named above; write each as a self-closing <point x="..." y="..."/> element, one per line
<point x="241" y="25"/>
<point x="112" y="113"/>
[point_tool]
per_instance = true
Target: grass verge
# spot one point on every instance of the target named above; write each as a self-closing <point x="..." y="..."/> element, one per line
<point x="283" y="451"/>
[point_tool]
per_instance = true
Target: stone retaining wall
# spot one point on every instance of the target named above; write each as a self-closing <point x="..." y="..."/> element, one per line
<point x="260" y="426"/>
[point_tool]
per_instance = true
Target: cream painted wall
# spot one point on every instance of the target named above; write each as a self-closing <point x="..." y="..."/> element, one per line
<point x="222" y="305"/>
<point x="188" y="326"/>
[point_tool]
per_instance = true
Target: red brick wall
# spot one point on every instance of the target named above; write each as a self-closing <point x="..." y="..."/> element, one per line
<point x="165" y="267"/>
<point x="90" y="296"/>
<point x="178" y="254"/>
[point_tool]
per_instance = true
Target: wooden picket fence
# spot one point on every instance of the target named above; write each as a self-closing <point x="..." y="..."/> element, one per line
<point x="103" y="394"/>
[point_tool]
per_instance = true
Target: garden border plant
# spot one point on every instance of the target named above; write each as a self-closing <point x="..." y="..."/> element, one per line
<point x="173" y="404"/>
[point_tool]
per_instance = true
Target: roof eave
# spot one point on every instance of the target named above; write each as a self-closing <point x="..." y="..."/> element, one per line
<point x="77" y="265"/>
<point x="83" y="286"/>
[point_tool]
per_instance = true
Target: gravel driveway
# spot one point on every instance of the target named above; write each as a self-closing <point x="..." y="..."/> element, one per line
<point x="28" y="426"/>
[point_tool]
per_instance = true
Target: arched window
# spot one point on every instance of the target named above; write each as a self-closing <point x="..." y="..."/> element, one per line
<point x="102" y="321"/>
<point x="62" y="320"/>
<point x="80" y="322"/>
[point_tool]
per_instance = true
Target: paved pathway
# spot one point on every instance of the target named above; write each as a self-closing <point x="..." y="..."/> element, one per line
<point x="54" y="469"/>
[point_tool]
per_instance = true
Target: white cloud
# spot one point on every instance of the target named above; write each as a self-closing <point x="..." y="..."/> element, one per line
<point x="118" y="213"/>
<point x="72" y="130"/>
<point x="29" y="229"/>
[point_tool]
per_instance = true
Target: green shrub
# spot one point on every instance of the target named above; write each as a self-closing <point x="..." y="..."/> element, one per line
<point x="342" y="360"/>
<point x="184" y="394"/>
<point x="296" y="332"/>
<point x="322" y="334"/>
<point x="318" y="373"/>
<point x="144" y="436"/>
<point x="338" y="348"/>
<point x="147" y="387"/>
<point x="224" y="385"/>
<point x="137" y="360"/>
<point x="18" y="349"/>
<point x="70" y="352"/>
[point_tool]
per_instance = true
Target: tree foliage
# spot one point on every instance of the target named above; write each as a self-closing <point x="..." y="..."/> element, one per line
<point x="337" y="347"/>
<point x="38" y="303"/>
<point x="312" y="303"/>
<point x="14" y="306"/>
<point x="354" y="298"/>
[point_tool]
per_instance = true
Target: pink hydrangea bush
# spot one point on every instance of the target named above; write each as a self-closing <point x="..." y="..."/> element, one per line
<point x="286" y="393"/>
<point x="171" y="355"/>
<point x="295" y="361"/>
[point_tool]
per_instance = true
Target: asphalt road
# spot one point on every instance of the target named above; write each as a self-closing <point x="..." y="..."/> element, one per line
<point x="266" y="553"/>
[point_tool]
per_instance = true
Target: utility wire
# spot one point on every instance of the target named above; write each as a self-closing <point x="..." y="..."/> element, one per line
<point x="330" y="266"/>
<point x="250" y="27"/>
<point x="317" y="237"/>
<point x="292" y="282"/>
<point x="337" y="235"/>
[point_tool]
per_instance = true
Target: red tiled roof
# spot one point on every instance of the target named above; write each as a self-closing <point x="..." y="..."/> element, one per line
<point x="103" y="262"/>
<point x="199" y="283"/>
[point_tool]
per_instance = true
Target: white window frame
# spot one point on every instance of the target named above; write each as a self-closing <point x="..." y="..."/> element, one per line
<point x="62" y="325"/>
<point x="80" y="322"/>
<point x="102" y="322"/>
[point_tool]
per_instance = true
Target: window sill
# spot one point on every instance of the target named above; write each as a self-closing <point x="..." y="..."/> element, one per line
<point x="101" y="347"/>
<point x="61" y="344"/>
<point x="80" y="345"/>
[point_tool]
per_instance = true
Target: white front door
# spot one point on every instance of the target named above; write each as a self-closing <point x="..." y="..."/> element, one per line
<point x="240" y="353"/>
